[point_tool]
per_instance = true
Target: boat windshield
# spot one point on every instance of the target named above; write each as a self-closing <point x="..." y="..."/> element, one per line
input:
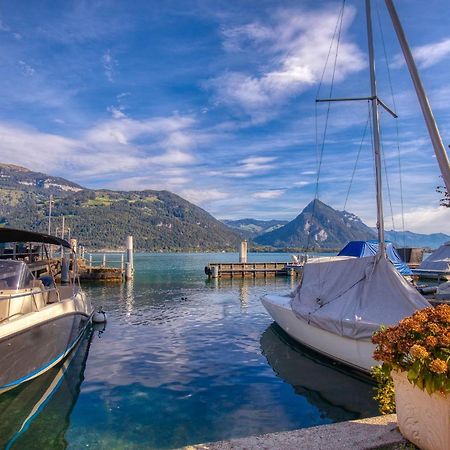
<point x="15" y="275"/>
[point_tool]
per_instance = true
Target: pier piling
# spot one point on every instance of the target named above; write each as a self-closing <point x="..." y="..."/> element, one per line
<point x="243" y="252"/>
<point x="130" y="263"/>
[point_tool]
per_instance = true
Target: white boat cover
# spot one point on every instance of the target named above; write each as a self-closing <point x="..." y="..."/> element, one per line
<point x="353" y="297"/>
<point x="438" y="260"/>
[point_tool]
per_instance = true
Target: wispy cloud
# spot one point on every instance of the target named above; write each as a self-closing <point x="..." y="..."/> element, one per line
<point x="296" y="52"/>
<point x="108" y="148"/>
<point x="274" y="193"/>
<point x="426" y="55"/>
<point x="109" y="65"/>
<point x="426" y="219"/>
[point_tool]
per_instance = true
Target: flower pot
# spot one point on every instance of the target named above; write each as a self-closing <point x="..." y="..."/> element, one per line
<point x="423" y="419"/>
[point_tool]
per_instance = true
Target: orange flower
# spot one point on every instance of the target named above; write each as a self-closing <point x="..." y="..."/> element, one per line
<point x="438" y="366"/>
<point x="431" y="341"/>
<point x="418" y="352"/>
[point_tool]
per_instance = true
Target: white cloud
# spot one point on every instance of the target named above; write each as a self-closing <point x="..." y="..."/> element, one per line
<point x="426" y="219"/>
<point x="426" y="55"/>
<point x="297" y="51"/>
<point x="116" y="112"/>
<point x="109" y="65"/>
<point x="173" y="157"/>
<point x="203" y="196"/>
<point x="118" y="146"/>
<point x="251" y="166"/>
<point x="274" y="193"/>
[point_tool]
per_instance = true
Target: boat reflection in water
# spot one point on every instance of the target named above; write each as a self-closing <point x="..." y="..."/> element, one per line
<point x="335" y="390"/>
<point x="36" y="414"/>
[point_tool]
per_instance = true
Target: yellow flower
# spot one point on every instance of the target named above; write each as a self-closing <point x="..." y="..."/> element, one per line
<point x="418" y="352"/>
<point x="438" y="366"/>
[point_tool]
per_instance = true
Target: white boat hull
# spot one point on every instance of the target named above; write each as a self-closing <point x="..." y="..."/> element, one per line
<point x="35" y="342"/>
<point x="353" y="352"/>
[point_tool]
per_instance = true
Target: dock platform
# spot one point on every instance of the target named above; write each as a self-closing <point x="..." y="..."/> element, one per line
<point x="249" y="270"/>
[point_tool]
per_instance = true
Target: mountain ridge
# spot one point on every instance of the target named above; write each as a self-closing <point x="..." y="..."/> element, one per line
<point x="318" y="225"/>
<point x="101" y="218"/>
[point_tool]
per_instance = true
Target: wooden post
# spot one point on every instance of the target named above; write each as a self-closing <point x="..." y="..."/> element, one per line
<point x="130" y="263"/>
<point x="104" y="260"/>
<point x="64" y="270"/>
<point x="243" y="252"/>
<point x="74" y="245"/>
<point x="128" y="271"/>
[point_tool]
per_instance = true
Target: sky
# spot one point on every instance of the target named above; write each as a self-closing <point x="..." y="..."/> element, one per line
<point x="215" y="101"/>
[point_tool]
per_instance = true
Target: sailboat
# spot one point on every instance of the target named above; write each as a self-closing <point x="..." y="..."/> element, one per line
<point x="342" y="301"/>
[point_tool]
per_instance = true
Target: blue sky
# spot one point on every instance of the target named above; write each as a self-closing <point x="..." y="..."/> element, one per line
<point x="214" y="100"/>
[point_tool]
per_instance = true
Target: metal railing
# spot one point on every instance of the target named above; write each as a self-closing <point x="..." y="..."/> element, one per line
<point x="112" y="260"/>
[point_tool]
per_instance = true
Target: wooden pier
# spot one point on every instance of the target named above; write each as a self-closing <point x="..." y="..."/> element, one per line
<point x="107" y="266"/>
<point x="249" y="270"/>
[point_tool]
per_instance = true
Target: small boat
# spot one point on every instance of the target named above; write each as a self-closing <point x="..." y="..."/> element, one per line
<point x="341" y="301"/>
<point x="437" y="265"/>
<point x="360" y="249"/>
<point x="324" y="383"/>
<point x="40" y="321"/>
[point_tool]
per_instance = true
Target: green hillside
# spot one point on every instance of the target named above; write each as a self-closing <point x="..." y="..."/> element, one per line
<point x="101" y="219"/>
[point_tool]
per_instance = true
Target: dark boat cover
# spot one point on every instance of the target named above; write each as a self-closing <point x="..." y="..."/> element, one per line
<point x="12" y="235"/>
<point x="370" y="248"/>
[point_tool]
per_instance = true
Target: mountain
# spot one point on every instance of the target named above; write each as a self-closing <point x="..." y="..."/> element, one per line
<point x="251" y="228"/>
<point x="410" y="239"/>
<point x="321" y="225"/>
<point x="101" y="219"/>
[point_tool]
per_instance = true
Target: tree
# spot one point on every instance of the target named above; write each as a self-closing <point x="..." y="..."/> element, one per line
<point x="445" y="200"/>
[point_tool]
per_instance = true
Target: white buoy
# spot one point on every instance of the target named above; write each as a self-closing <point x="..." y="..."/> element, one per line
<point x="99" y="316"/>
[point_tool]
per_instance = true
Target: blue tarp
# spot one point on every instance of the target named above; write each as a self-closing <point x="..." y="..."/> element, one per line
<point x="369" y="248"/>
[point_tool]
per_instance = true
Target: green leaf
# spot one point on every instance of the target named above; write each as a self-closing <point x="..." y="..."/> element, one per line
<point x="429" y="383"/>
<point x="413" y="372"/>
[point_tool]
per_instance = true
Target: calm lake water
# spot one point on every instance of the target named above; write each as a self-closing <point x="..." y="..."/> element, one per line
<point x="182" y="360"/>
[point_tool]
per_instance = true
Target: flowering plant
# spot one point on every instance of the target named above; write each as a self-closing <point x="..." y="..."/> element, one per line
<point x="420" y="345"/>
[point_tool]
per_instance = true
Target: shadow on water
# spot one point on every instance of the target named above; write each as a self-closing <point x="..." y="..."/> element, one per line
<point x="37" y="413"/>
<point x="339" y="393"/>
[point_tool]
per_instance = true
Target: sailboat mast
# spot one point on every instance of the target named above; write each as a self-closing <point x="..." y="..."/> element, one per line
<point x="439" y="149"/>
<point x="376" y="133"/>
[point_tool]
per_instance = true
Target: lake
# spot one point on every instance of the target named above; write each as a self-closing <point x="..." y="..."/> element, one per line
<point x="182" y="360"/>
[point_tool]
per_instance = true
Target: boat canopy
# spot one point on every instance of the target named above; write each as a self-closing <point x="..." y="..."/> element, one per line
<point x="352" y="297"/>
<point x="369" y="248"/>
<point x="438" y="260"/>
<point x="14" y="275"/>
<point x="12" y="235"/>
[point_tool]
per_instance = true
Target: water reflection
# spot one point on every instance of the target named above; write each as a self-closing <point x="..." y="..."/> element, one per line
<point x="338" y="393"/>
<point x="37" y="413"/>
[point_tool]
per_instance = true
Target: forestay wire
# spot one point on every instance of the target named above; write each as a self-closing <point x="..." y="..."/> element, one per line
<point x="396" y="126"/>
<point x="320" y="148"/>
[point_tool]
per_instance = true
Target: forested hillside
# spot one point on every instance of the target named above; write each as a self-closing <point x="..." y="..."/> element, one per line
<point x="101" y="219"/>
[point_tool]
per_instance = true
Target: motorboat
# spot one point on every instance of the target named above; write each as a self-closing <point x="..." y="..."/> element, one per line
<point x="25" y="411"/>
<point x="341" y="301"/>
<point x="41" y="320"/>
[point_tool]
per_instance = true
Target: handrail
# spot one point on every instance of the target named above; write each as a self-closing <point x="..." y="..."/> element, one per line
<point x="31" y="291"/>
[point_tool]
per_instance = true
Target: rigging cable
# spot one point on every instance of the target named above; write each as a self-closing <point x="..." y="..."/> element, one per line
<point x="357" y="157"/>
<point x="396" y="125"/>
<point x="319" y="152"/>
